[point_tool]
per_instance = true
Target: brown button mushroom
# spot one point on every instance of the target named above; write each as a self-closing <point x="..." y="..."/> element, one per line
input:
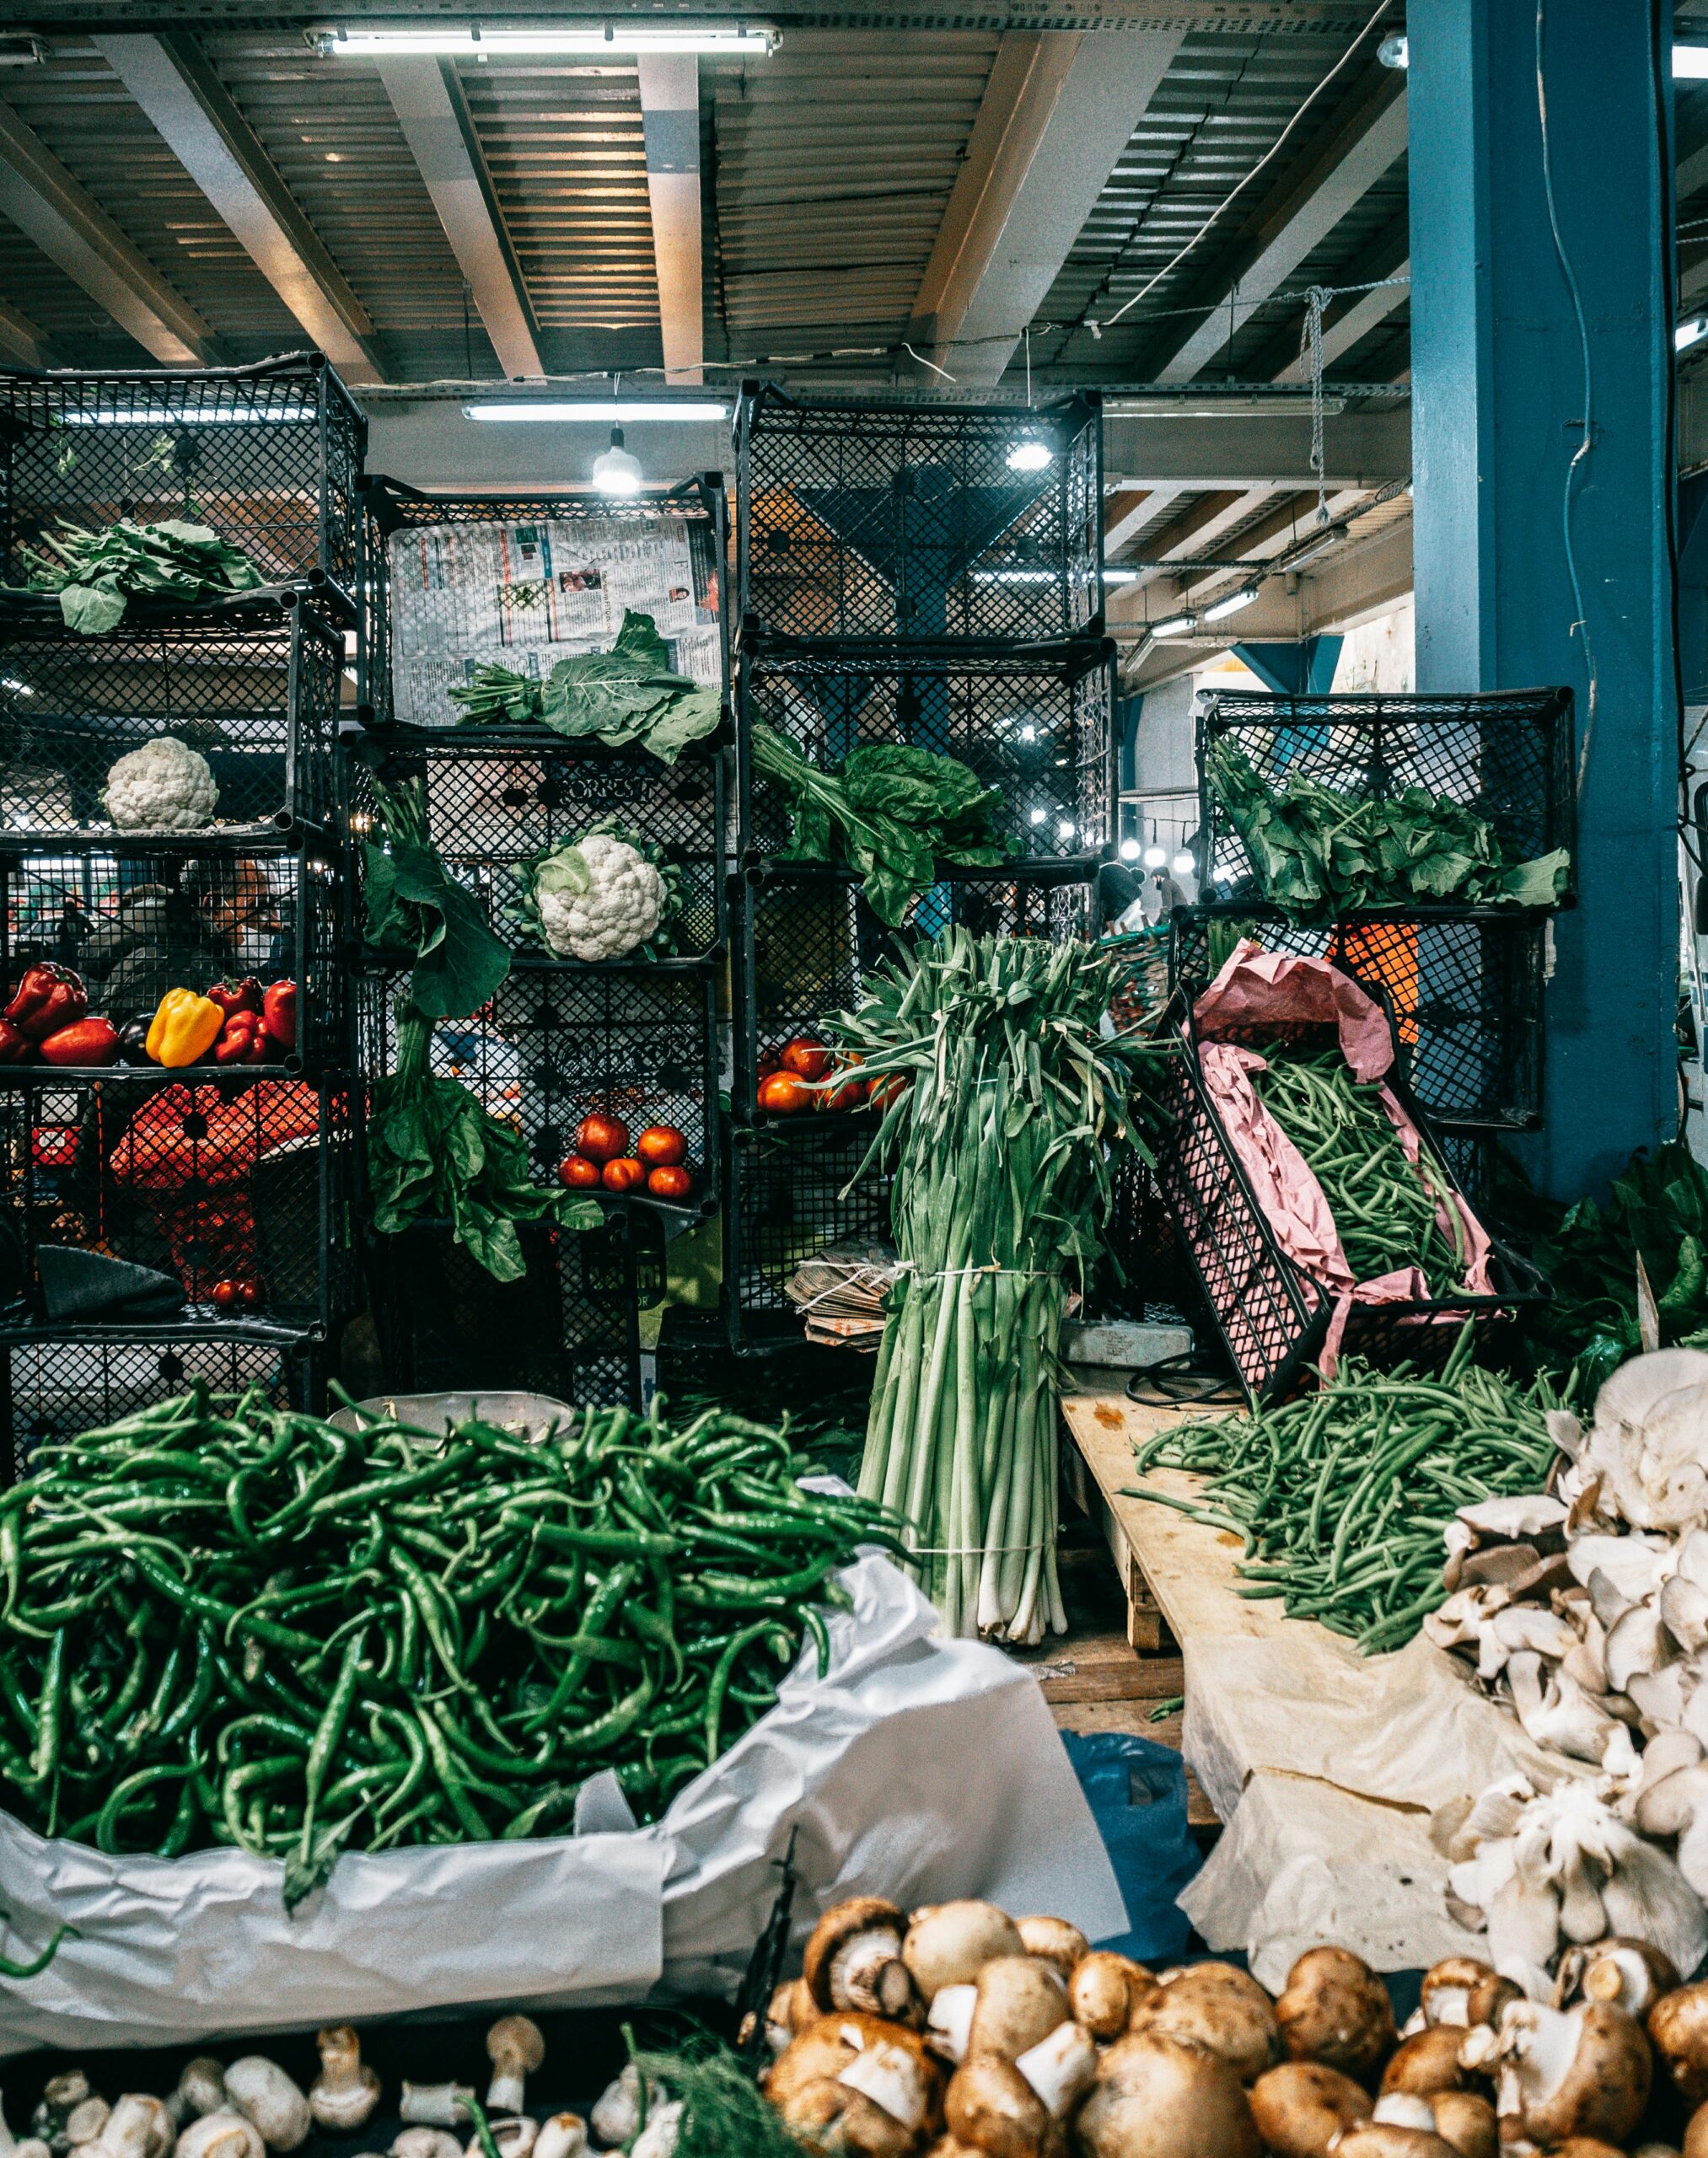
<point x="1585" y="2146"/>
<point x="1428" y="2061"/>
<point x="1055" y="1940"/>
<point x="1154" y="2098"/>
<point x="871" y="2081"/>
<point x="1105" y="1990"/>
<point x="950" y="1944"/>
<point x="1018" y="2001"/>
<point x="1383" y="2140"/>
<point x="1678" y="2024"/>
<point x="1301" y="2106"/>
<point x="1218" y="2007"/>
<point x="1466" y="2119"/>
<point x="990" y="2107"/>
<point x="1582" y="2071"/>
<point x="1627" y="1974"/>
<point x="853" y="1958"/>
<point x="1336" y="2010"/>
<point x="1697" y="2134"/>
<point x="1461" y="1991"/>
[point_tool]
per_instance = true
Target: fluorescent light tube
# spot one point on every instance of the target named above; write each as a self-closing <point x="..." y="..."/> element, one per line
<point x="1690" y="63"/>
<point x="1176" y="625"/>
<point x="1690" y="332"/>
<point x="1219" y="610"/>
<point x="751" y="39"/>
<point x="603" y="414"/>
<point x="1119" y="577"/>
<point x="1309" y="554"/>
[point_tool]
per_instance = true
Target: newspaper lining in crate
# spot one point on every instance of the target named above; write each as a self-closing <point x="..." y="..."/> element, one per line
<point x="529" y="593"/>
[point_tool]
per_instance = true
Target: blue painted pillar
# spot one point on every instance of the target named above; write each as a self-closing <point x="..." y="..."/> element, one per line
<point x="1499" y="403"/>
<point x="1303" y="669"/>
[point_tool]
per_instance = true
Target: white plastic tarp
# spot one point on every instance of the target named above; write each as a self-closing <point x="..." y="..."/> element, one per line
<point x="917" y="1768"/>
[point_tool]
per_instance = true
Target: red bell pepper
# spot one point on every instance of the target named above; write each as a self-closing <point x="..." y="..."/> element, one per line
<point x="89" y="1041"/>
<point x="244" y="995"/>
<point x="279" y="1012"/>
<point x="47" y="998"/>
<point x="14" y="1048"/>
<point x="243" y="1040"/>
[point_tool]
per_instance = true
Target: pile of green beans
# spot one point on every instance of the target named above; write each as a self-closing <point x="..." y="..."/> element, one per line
<point x="1341" y="1496"/>
<point x="1383" y="1206"/>
<point x="227" y="1622"/>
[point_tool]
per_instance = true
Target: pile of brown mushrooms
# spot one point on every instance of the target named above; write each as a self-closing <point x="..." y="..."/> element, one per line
<point x="959" y="2033"/>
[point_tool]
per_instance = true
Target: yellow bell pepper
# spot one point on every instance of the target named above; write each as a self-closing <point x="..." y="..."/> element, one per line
<point x="185" y="1027"/>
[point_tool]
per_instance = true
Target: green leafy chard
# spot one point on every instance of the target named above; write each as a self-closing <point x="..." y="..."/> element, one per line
<point x="97" y="573"/>
<point x="623" y="696"/>
<point x="417" y="910"/>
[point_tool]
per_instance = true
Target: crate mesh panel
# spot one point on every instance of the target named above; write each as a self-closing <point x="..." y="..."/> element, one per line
<point x="269" y="458"/>
<point x="137" y="924"/>
<point x="205" y="1180"/>
<point x="910" y="522"/>
<point x="259" y="704"/>
<point x="1506" y="757"/>
<point x="1466" y="996"/>
<point x="57" y="1385"/>
<point x="808" y="942"/>
<point x="490" y="810"/>
<point x="567" y="1329"/>
<point x="556" y="1043"/>
<point x="1039" y="736"/>
<point x="786" y="1203"/>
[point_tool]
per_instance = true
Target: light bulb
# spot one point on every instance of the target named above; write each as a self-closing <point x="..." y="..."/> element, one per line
<point x="1030" y="455"/>
<point x="1156" y="858"/>
<point x="1064" y="830"/>
<point x="1183" y="864"/>
<point x="615" y="471"/>
<point x="1130" y="849"/>
<point x="1038" y="815"/>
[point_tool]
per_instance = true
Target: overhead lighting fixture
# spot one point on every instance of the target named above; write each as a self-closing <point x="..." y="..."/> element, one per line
<point x="1130" y="849"/>
<point x="1013" y="576"/>
<point x="1120" y="577"/>
<point x="1332" y="538"/>
<point x="18" y="689"/>
<point x="1176" y="625"/>
<point x="1219" y="610"/>
<point x="1690" y="63"/>
<point x="1241" y="404"/>
<point x="1395" y="51"/>
<point x="1038" y="816"/>
<point x="616" y="470"/>
<point x="1183" y="865"/>
<point x="1156" y="858"/>
<point x="1030" y="455"/>
<point x="1063" y="831"/>
<point x="21" y="50"/>
<point x="751" y="41"/>
<point x="585" y="409"/>
<point x="1691" y="333"/>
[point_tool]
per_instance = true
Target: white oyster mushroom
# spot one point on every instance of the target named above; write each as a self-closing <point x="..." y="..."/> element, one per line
<point x="1649" y="1443"/>
<point x="1683" y="1610"/>
<point x="600" y="899"/>
<point x="1555" y="1712"/>
<point x="1635" y="1566"/>
<point x="163" y="787"/>
<point x="1522" y="1626"/>
<point x="1636" y="1646"/>
<point x="1526" y="1515"/>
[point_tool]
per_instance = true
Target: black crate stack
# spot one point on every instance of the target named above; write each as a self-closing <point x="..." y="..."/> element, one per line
<point x="922" y="574"/>
<point x="202" y="1177"/>
<point x="635" y="1038"/>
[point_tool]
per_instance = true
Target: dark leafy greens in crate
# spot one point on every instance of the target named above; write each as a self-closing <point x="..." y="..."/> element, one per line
<point x="1318" y="851"/>
<point x="417" y="909"/>
<point x="96" y="573"/>
<point x="625" y="695"/>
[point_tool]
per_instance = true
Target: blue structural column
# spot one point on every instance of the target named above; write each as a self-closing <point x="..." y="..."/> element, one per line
<point x="1499" y="403"/>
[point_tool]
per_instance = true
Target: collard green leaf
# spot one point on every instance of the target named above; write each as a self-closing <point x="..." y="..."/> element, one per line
<point x="91" y="610"/>
<point x="417" y="909"/>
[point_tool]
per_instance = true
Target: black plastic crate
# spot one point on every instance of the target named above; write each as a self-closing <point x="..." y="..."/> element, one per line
<point x="1507" y="756"/>
<point x="268" y="455"/>
<point x="1466" y="991"/>
<point x="637" y="1043"/>
<point x="58" y="1381"/>
<point x="495" y="797"/>
<point x="569" y="1327"/>
<point x="857" y="517"/>
<point x="786" y="1200"/>
<point x="204" y="1180"/>
<point x="1273" y="1318"/>
<point x="254" y="689"/>
<point x="1038" y="729"/>
<point x="808" y="940"/>
<point x="137" y="918"/>
<point x="526" y="579"/>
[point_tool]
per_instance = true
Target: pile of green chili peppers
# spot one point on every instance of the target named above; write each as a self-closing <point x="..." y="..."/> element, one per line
<point x="226" y="1623"/>
<point x="1384" y="1206"/>
<point x="1341" y="1496"/>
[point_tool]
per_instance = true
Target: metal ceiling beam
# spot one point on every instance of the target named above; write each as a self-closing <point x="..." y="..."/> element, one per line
<point x="1122" y="528"/>
<point x="1058" y="110"/>
<point x="20" y="340"/>
<point x="69" y="226"/>
<point x="1360" y="154"/>
<point x="1366" y="313"/>
<point x="1291" y="523"/>
<point x="1198" y="531"/>
<point x="427" y="99"/>
<point x="196" y="117"/>
<point x="1197" y="451"/>
<point x="670" y="117"/>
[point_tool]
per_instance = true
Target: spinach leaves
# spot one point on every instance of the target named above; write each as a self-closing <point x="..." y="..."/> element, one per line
<point x="417" y="910"/>
<point x="626" y="695"/>
<point x="1317" y="853"/>
<point x="96" y="574"/>
<point x="893" y="813"/>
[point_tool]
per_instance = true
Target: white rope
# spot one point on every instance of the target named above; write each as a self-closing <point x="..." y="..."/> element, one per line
<point x="1311" y="355"/>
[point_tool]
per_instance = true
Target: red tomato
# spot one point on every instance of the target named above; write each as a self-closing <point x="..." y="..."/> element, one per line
<point x="623" y="1174"/>
<point x="249" y="1294"/>
<point x="577" y="1174"/>
<point x="784" y="1095"/>
<point x="806" y="1058"/>
<point x="602" y="1138"/>
<point x="883" y="1092"/>
<point x="224" y="1294"/>
<point x="848" y="1096"/>
<point x="661" y="1147"/>
<point x="670" y="1182"/>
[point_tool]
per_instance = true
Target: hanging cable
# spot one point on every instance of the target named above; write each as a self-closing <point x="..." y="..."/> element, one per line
<point x="1310" y="358"/>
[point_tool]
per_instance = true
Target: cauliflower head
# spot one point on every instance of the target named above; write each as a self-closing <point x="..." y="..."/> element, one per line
<point x="163" y="787"/>
<point x="598" y="900"/>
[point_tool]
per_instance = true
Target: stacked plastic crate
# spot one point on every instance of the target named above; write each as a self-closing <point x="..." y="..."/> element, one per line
<point x="454" y="582"/>
<point x="164" y="1226"/>
<point x="923" y="573"/>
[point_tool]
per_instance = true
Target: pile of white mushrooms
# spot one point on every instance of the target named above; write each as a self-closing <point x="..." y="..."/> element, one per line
<point x="959" y="2033"/>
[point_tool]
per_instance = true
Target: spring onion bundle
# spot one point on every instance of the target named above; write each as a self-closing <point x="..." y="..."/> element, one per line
<point x="1003" y="1101"/>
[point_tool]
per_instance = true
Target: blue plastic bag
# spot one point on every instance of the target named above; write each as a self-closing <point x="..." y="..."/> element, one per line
<point x="1136" y="1790"/>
